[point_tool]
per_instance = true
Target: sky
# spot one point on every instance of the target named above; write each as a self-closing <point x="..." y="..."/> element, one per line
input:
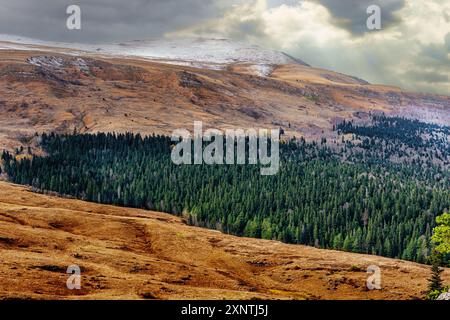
<point x="412" y="50"/>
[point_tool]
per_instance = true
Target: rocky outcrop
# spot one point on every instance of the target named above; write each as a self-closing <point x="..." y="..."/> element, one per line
<point x="444" y="296"/>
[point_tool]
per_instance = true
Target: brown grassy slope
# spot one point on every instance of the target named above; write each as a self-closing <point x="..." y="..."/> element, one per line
<point x="147" y="97"/>
<point x="131" y="254"/>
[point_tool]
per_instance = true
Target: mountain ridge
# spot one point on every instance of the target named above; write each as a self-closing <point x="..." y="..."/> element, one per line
<point x="201" y="52"/>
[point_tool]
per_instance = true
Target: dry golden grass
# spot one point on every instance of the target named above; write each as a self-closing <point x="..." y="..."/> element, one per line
<point x="135" y="254"/>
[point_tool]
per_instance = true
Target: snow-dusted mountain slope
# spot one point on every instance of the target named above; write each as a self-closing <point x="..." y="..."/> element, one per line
<point x="197" y="52"/>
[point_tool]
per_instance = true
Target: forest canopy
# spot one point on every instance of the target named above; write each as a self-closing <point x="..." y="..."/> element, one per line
<point x="378" y="192"/>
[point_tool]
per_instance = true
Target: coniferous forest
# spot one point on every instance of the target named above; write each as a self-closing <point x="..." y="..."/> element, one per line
<point x="376" y="189"/>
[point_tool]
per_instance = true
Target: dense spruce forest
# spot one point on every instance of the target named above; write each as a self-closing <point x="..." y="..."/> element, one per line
<point x="376" y="189"/>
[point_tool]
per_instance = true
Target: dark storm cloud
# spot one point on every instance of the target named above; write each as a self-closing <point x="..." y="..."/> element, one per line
<point x="105" y="20"/>
<point x="447" y="16"/>
<point x="447" y="41"/>
<point x="352" y="14"/>
<point x="246" y="30"/>
<point x="436" y="55"/>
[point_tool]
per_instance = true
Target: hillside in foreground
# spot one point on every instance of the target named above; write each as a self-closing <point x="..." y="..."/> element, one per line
<point x="134" y="254"/>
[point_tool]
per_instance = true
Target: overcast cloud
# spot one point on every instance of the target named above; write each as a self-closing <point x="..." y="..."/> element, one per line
<point x="352" y="14"/>
<point x="412" y="50"/>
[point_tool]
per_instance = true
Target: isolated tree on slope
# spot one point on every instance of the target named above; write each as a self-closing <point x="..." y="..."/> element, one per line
<point x="441" y="236"/>
<point x="435" y="282"/>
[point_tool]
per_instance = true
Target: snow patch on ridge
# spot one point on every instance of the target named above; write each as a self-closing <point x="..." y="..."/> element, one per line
<point x="195" y="52"/>
<point x="262" y="70"/>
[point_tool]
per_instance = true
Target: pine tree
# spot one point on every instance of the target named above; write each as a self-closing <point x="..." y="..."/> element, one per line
<point x="435" y="283"/>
